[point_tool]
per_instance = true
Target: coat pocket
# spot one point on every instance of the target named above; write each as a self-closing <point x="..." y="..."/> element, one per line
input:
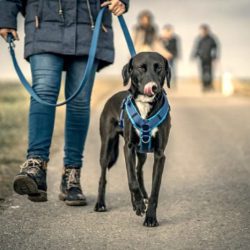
<point x="50" y="11"/>
<point x="33" y="10"/>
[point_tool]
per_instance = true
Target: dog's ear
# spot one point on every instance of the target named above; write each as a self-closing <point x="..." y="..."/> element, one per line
<point x="126" y="72"/>
<point x="168" y="73"/>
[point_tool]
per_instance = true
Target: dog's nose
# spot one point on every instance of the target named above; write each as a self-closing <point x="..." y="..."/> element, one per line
<point x="154" y="88"/>
<point x="150" y="89"/>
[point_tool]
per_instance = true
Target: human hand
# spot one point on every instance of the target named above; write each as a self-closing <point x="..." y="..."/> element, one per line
<point x="4" y="33"/>
<point x="115" y="6"/>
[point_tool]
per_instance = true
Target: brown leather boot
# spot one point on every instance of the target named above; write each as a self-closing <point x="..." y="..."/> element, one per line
<point x="31" y="180"/>
<point x="71" y="191"/>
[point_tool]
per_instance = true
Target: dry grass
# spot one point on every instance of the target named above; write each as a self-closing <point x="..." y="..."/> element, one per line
<point x="13" y="120"/>
<point x="14" y="102"/>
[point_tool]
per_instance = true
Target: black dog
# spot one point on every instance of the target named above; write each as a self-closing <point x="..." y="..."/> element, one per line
<point x="147" y="71"/>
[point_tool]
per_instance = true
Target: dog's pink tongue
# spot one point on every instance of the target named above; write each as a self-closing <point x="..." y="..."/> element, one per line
<point x="148" y="90"/>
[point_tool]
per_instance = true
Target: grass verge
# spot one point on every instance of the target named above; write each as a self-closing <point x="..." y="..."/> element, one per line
<point x="14" y="105"/>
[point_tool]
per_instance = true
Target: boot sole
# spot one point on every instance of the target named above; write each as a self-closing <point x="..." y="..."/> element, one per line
<point x="62" y="197"/>
<point x="24" y="185"/>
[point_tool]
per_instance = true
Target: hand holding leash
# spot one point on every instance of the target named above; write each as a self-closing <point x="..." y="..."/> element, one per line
<point x="5" y="32"/>
<point x="115" y="6"/>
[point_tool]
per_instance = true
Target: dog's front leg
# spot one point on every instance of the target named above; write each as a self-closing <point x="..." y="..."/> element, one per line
<point x="159" y="161"/>
<point x="141" y="160"/>
<point x="137" y="199"/>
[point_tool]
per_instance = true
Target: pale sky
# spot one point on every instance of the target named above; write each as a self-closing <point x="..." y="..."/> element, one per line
<point x="229" y="19"/>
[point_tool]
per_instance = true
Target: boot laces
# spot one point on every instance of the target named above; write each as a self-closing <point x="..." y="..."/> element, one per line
<point x="31" y="163"/>
<point x="74" y="178"/>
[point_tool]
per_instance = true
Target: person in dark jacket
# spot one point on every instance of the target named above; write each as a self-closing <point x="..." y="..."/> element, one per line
<point x="206" y="49"/>
<point x="57" y="38"/>
<point x="171" y="43"/>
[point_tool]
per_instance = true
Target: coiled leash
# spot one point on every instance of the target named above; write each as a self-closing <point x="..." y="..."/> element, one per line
<point x="91" y="58"/>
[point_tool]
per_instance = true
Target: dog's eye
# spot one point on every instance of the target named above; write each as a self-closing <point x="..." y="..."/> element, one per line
<point x="143" y="67"/>
<point x="157" y="67"/>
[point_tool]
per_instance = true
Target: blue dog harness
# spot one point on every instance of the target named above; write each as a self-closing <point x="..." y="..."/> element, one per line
<point x="144" y="126"/>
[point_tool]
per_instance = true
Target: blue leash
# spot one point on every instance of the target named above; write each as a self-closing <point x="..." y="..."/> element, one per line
<point x="91" y="58"/>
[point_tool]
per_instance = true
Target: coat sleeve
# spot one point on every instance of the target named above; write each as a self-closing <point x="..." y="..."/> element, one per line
<point x="178" y="47"/>
<point x="215" y="49"/>
<point x="126" y="2"/>
<point x="196" y="49"/>
<point x="8" y="13"/>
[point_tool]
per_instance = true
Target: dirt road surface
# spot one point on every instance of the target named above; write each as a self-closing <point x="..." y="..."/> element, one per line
<point x="205" y="193"/>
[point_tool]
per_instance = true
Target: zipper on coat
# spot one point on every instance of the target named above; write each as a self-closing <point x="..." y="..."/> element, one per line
<point x="37" y="22"/>
<point x="38" y="17"/>
<point x="90" y="15"/>
<point x="60" y="10"/>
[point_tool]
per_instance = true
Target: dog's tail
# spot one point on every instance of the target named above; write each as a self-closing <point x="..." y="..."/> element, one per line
<point x="109" y="152"/>
<point x="114" y="151"/>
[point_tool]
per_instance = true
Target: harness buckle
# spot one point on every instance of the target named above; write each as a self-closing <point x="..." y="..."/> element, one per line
<point x="145" y="128"/>
<point x="145" y="138"/>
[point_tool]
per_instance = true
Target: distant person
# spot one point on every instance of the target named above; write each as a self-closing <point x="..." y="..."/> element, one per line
<point x="146" y="35"/>
<point x="145" y="32"/>
<point x="171" y="43"/>
<point x="206" y="49"/>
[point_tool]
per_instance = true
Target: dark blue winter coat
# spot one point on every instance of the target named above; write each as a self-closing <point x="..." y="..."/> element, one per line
<point x="60" y="26"/>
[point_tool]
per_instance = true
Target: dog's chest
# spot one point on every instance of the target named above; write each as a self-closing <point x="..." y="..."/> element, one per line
<point x="144" y="107"/>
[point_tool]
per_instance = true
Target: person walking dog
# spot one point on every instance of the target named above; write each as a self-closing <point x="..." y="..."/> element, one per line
<point x="57" y="38"/>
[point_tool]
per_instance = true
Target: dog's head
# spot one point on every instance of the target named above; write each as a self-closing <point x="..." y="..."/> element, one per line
<point x="148" y="72"/>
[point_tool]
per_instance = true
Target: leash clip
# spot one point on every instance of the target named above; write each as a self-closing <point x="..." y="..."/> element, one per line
<point x="10" y="41"/>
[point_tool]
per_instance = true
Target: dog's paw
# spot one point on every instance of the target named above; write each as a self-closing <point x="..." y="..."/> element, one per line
<point x="139" y="207"/>
<point x="100" y="207"/>
<point x="150" y="221"/>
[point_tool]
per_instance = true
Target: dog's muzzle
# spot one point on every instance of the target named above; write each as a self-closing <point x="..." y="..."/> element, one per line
<point x="150" y="89"/>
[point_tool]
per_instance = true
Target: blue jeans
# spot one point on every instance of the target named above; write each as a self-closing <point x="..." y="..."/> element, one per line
<point x="46" y="77"/>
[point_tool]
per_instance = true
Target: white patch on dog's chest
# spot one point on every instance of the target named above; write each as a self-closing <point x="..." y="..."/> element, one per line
<point x="144" y="106"/>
